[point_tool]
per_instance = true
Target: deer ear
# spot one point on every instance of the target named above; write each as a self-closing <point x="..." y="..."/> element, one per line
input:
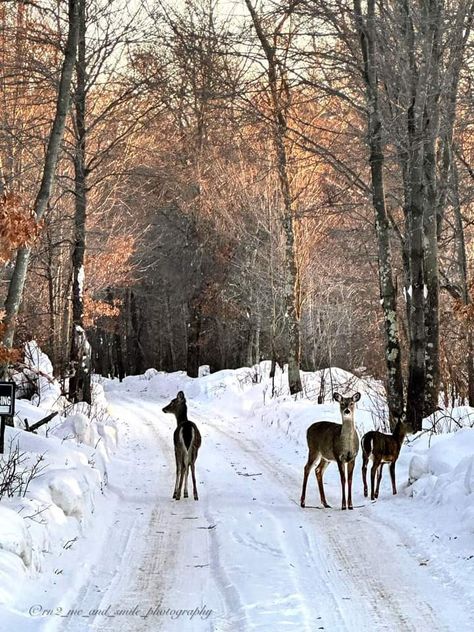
<point x="180" y="395"/>
<point x="337" y="397"/>
<point x="356" y="397"/>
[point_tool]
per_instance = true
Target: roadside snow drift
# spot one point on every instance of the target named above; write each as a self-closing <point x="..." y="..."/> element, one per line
<point x="50" y="482"/>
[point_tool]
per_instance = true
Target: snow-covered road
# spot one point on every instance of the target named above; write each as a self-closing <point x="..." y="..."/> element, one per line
<point x="245" y="557"/>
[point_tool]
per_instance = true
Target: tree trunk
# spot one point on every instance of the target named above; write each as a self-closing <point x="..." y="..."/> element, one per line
<point x="414" y="219"/>
<point x="388" y="293"/>
<point x="64" y="349"/>
<point x="421" y="216"/>
<point x="463" y="274"/>
<point x="79" y="382"/>
<point x="118" y="347"/>
<point x="193" y="334"/>
<point x="416" y="371"/>
<point x="258" y="327"/>
<point x="279" y="94"/>
<point x="169" y="326"/>
<point x="431" y="212"/>
<point x="53" y="334"/>
<point x="137" y="349"/>
<point x="17" y="283"/>
<point x="250" y="347"/>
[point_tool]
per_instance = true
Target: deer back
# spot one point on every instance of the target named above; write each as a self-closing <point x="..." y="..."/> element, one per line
<point x="382" y="446"/>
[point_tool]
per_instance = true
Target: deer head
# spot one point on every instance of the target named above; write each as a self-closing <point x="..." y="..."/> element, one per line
<point x="177" y="406"/>
<point x="347" y="405"/>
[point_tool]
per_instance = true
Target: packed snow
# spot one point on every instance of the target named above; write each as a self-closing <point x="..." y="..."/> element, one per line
<point x="96" y="542"/>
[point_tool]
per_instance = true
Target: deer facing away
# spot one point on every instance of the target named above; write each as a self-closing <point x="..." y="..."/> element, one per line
<point x="187" y="441"/>
<point x="329" y="441"/>
<point x="381" y="448"/>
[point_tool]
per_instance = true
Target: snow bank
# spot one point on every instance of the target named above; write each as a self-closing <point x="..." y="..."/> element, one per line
<point x="48" y="509"/>
<point x="444" y="474"/>
<point x="69" y="458"/>
<point x="450" y="419"/>
<point x="90" y="426"/>
<point x="15" y="551"/>
<point x="40" y="372"/>
<point x="250" y="391"/>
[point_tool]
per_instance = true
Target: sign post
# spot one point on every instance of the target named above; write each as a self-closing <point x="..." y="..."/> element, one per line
<point x="7" y="408"/>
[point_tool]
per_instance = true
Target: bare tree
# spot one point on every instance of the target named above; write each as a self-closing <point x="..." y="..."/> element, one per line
<point x="280" y="102"/>
<point x="15" y="290"/>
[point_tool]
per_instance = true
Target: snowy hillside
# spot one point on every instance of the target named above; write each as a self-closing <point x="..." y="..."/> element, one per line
<point x="112" y="550"/>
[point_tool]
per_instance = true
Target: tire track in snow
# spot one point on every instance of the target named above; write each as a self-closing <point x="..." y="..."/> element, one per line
<point x="138" y="543"/>
<point x="246" y="602"/>
<point x="296" y="611"/>
<point x="162" y="549"/>
<point x="192" y="541"/>
<point x="230" y="594"/>
<point x="139" y="579"/>
<point x="323" y="610"/>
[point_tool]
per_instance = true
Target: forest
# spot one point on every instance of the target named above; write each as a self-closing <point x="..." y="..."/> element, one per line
<point x="215" y="183"/>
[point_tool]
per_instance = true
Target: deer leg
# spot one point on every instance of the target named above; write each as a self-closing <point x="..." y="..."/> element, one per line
<point x="321" y="468"/>
<point x="373" y="472"/>
<point x="342" y="474"/>
<point x="186" y="473"/>
<point x="193" y="474"/>
<point x="364" y="474"/>
<point x="379" y="478"/>
<point x="392" y="475"/>
<point x="350" y="471"/>
<point x="307" y="470"/>
<point x="178" y="470"/>
<point x="181" y="479"/>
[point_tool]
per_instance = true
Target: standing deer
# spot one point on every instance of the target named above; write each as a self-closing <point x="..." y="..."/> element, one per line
<point x="187" y="441"/>
<point x="381" y="448"/>
<point x="329" y="441"/>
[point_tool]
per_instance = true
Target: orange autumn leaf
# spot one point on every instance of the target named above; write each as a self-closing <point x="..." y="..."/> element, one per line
<point x="17" y="225"/>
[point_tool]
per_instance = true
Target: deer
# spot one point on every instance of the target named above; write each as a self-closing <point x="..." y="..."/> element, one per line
<point x="329" y="441"/>
<point x="187" y="441"/>
<point x="381" y="448"/>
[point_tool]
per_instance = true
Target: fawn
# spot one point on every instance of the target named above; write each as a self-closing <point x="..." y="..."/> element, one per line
<point x="329" y="441"/>
<point x="381" y="448"/>
<point x="187" y="441"/>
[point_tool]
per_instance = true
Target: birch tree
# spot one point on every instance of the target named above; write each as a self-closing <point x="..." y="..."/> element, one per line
<point x="80" y="379"/>
<point x="388" y="295"/>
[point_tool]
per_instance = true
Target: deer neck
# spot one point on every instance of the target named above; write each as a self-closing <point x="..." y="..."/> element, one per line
<point x="399" y="433"/>
<point x="182" y="414"/>
<point x="348" y="431"/>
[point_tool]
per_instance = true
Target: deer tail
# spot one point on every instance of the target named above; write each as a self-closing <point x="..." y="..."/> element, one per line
<point x="186" y="437"/>
<point x="367" y="444"/>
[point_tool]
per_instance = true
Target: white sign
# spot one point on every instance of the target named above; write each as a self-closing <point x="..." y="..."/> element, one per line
<point x="7" y="398"/>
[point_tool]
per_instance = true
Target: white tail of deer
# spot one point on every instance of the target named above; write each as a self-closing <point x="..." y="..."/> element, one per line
<point x="187" y="441"/>
<point x="381" y="448"/>
<point x="329" y="441"/>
